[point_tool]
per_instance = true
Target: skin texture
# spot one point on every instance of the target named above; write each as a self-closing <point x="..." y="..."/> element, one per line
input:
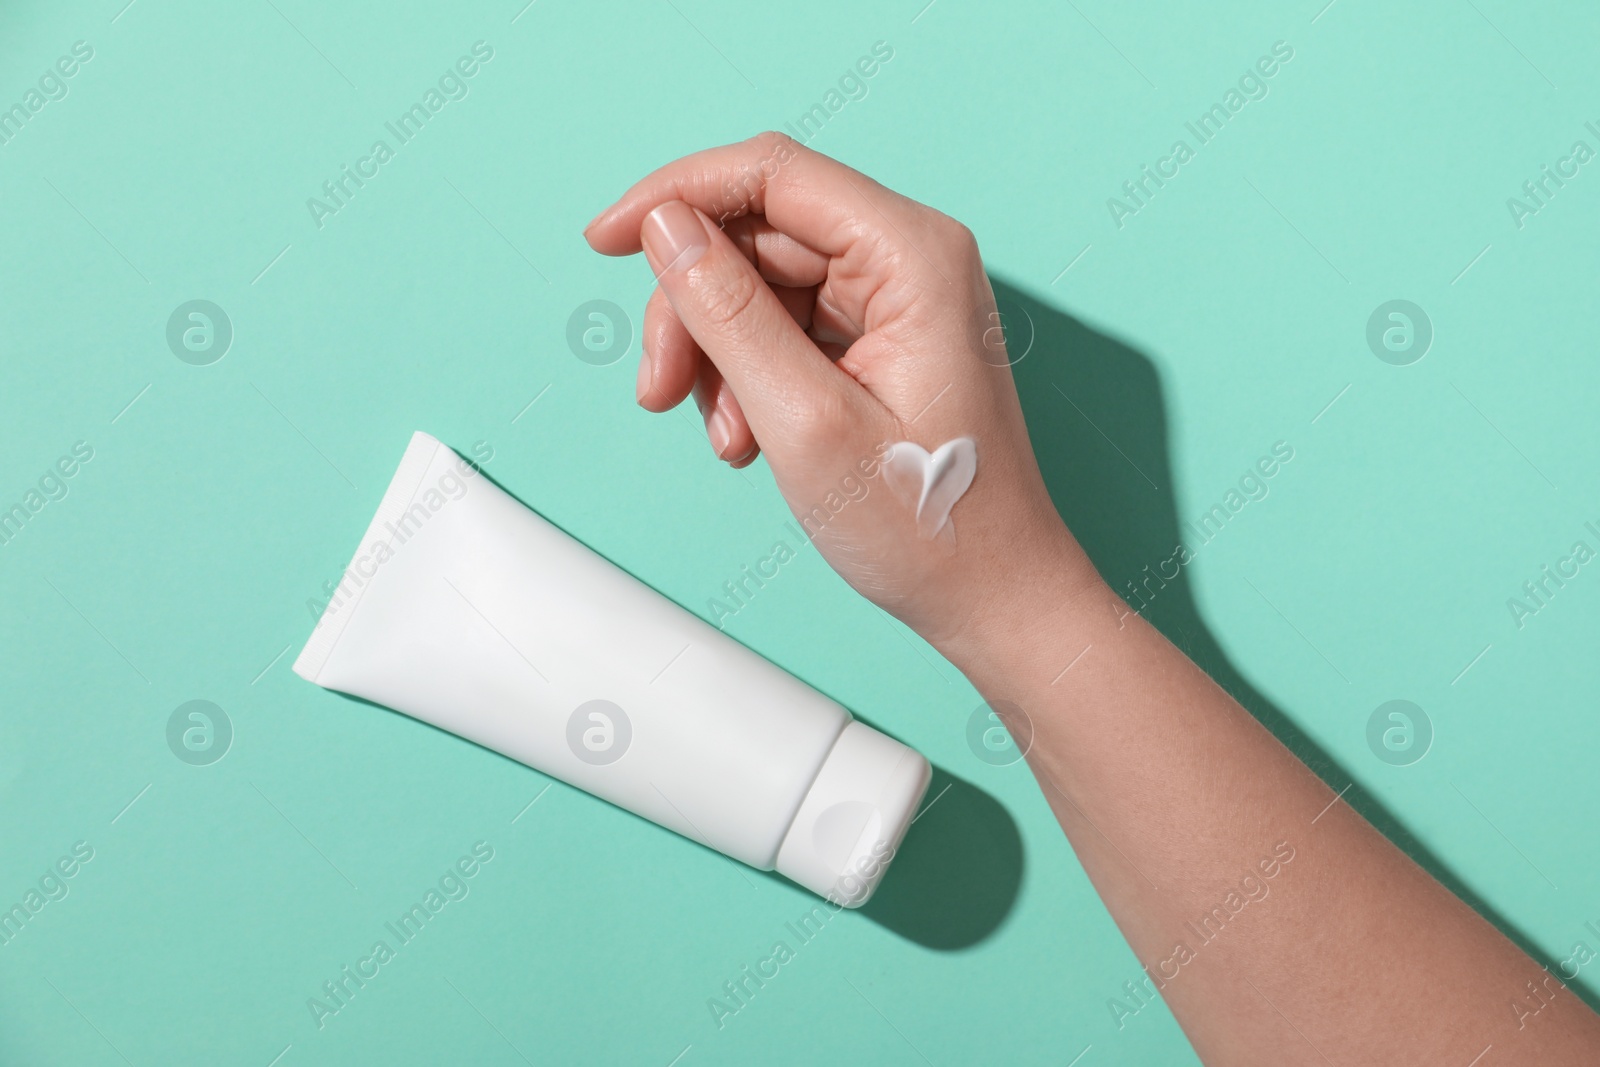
<point x="816" y="316"/>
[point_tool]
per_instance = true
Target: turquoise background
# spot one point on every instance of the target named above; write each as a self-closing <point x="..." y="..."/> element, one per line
<point x="1227" y="314"/>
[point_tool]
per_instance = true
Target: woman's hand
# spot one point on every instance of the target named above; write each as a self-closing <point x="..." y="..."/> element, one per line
<point x="819" y="317"/>
<point x="830" y="317"/>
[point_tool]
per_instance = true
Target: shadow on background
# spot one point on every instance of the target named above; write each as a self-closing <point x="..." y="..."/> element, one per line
<point x="955" y="876"/>
<point x="1095" y="413"/>
<point x="957" y="873"/>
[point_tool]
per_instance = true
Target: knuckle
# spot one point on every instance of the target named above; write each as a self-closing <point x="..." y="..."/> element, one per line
<point x="725" y="296"/>
<point x="773" y="142"/>
<point x="955" y="235"/>
<point x="822" y="418"/>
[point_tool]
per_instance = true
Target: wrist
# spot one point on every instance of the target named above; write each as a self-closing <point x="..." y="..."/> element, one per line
<point x="1038" y="604"/>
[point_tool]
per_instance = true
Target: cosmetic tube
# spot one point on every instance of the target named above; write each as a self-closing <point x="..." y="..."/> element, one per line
<point x="465" y="609"/>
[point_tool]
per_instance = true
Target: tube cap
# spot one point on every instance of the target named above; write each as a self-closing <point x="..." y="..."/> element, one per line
<point x="853" y="818"/>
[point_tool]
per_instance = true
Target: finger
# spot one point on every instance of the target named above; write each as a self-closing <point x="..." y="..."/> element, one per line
<point x="798" y="302"/>
<point x="786" y="263"/>
<point x="726" y="427"/>
<point x="703" y="375"/>
<point x="818" y="201"/>
<point x="778" y="258"/>
<point x="742" y="325"/>
<point x="829" y="325"/>
<point x="671" y="357"/>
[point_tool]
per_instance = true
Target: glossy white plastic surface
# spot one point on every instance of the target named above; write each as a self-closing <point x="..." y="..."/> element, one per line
<point x="467" y="610"/>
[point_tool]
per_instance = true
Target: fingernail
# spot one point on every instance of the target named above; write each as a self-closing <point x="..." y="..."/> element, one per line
<point x="717" y="430"/>
<point x="673" y="237"/>
<point x="643" y="385"/>
<point x="590" y="224"/>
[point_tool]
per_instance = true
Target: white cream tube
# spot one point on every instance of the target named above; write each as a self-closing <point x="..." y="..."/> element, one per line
<point x="466" y="610"/>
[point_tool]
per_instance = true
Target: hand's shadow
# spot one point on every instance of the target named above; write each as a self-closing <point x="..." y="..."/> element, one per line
<point x="1095" y="414"/>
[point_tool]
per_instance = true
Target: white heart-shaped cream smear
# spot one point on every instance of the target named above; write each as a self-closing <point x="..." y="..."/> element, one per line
<point x="931" y="483"/>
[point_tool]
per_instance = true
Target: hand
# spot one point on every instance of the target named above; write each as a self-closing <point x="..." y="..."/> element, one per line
<point x="819" y="317"/>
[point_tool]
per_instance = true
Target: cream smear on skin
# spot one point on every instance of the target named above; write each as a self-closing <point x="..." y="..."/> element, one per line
<point x="931" y="483"/>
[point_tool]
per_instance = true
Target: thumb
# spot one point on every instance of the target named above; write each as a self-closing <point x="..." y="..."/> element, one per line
<point x="778" y="375"/>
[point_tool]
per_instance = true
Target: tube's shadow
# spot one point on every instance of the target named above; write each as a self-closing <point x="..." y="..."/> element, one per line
<point x="1098" y="422"/>
<point x="955" y="876"/>
<point x="958" y="871"/>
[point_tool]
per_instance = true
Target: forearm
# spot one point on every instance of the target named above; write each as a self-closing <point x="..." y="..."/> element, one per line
<point x="1276" y="922"/>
